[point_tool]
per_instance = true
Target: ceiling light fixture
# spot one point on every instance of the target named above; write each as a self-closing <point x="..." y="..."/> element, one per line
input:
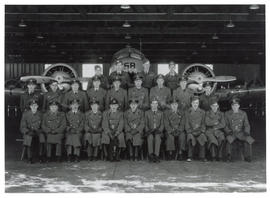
<point x="125" y="7"/>
<point x="230" y="24"/>
<point x="215" y="37"/>
<point x="39" y="36"/>
<point x="22" y="24"/>
<point x="126" y="24"/>
<point x="127" y="36"/>
<point x="194" y="53"/>
<point x="203" y="45"/>
<point x="254" y="7"/>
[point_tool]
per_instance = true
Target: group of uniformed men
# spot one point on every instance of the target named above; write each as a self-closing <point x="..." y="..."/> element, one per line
<point x="143" y="109"/>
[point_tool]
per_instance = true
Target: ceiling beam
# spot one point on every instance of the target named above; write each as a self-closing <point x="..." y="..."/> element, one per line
<point x="160" y="16"/>
<point x="136" y="30"/>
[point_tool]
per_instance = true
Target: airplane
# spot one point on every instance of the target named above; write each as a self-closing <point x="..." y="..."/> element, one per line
<point x="197" y="74"/>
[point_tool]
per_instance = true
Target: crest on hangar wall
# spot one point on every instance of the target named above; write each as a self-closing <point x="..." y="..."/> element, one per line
<point x="130" y="57"/>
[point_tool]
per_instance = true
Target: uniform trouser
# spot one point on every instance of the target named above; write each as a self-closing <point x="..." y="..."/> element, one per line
<point x="191" y="150"/>
<point x="214" y="149"/>
<point x="58" y="149"/>
<point x="215" y="143"/>
<point x="180" y="140"/>
<point x="76" y="150"/>
<point x="245" y="147"/>
<point x="114" y="149"/>
<point x="170" y="142"/>
<point x="30" y="148"/>
<point x="132" y="148"/>
<point x="42" y="149"/>
<point x="90" y="150"/>
<point x="153" y="142"/>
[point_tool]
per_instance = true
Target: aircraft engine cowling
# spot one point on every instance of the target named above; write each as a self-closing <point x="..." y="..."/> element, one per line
<point x="198" y="72"/>
<point x="59" y="71"/>
<point x="129" y="56"/>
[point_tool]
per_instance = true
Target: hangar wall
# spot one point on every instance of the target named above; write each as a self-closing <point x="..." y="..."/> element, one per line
<point x="243" y="72"/>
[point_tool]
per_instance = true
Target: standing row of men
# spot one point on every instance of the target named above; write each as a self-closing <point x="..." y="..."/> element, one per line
<point x="120" y="118"/>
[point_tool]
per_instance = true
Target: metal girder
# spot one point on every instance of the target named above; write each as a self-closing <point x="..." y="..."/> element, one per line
<point x="147" y="16"/>
<point x="135" y="30"/>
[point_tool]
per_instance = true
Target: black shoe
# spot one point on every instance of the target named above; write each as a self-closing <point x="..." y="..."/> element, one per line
<point x="180" y="157"/>
<point x="248" y="159"/>
<point x="213" y="159"/>
<point x="156" y="159"/>
<point x="90" y="158"/>
<point x="131" y="158"/>
<point x="69" y="159"/>
<point x="77" y="159"/>
<point x="58" y="159"/>
<point x="203" y="159"/>
<point x="30" y="161"/>
<point x="229" y="158"/>
<point x="41" y="160"/>
<point x="151" y="158"/>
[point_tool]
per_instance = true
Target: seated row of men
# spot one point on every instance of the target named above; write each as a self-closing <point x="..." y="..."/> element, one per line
<point x="113" y="130"/>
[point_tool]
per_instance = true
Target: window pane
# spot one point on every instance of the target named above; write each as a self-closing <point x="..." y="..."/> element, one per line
<point x="88" y="70"/>
<point x="164" y="68"/>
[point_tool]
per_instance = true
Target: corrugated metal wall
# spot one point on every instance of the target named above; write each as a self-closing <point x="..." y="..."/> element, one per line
<point x="15" y="70"/>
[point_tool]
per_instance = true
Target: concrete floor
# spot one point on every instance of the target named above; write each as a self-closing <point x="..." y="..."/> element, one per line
<point x="126" y="176"/>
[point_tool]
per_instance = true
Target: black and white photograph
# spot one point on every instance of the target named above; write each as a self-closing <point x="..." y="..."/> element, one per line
<point x="134" y="98"/>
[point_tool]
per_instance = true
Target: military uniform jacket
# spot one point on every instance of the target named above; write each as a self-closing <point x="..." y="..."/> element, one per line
<point x="93" y="122"/>
<point x="26" y="97"/>
<point x="113" y="122"/>
<point x="174" y="121"/>
<point x="214" y="120"/>
<point x="54" y="123"/>
<point x="205" y="101"/>
<point x="154" y="120"/>
<point x="237" y="122"/>
<point x="99" y="95"/>
<point x="51" y="96"/>
<point x="148" y="79"/>
<point x="141" y="95"/>
<point x="120" y="95"/>
<point x="161" y="94"/>
<point x="134" y="121"/>
<point x="80" y="95"/>
<point x="31" y="122"/>
<point x="104" y="83"/>
<point x="75" y="122"/>
<point x="125" y="79"/>
<point x="195" y="121"/>
<point x="171" y="81"/>
<point x="183" y="97"/>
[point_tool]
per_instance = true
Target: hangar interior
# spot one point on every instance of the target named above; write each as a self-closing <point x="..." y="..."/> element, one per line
<point x="229" y="37"/>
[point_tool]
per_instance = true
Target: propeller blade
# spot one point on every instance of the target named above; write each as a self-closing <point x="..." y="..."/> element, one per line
<point x="39" y="79"/>
<point x="220" y="79"/>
